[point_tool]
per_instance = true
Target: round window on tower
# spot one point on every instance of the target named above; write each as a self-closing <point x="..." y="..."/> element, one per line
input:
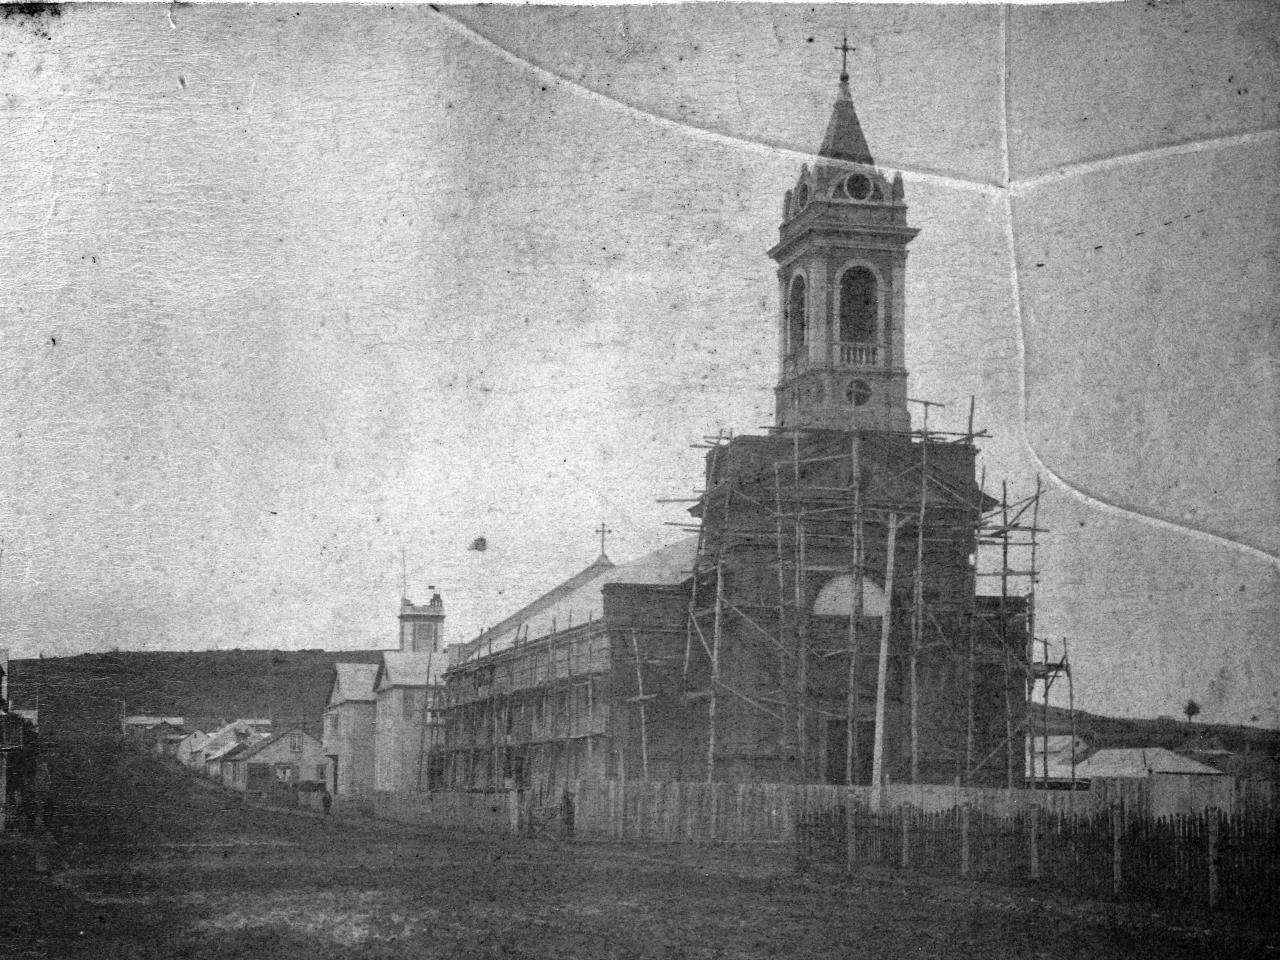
<point x="858" y="186"/>
<point x="859" y="392"/>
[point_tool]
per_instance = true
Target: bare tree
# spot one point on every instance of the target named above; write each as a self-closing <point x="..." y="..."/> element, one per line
<point x="1191" y="709"/>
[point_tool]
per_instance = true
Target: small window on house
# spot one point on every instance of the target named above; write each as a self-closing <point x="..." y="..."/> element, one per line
<point x="320" y="771"/>
<point x="295" y="742"/>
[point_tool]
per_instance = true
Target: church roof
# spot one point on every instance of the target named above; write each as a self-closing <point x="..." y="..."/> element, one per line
<point x="844" y="139"/>
<point x="580" y="598"/>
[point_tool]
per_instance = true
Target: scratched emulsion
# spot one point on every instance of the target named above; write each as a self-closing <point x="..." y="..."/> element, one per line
<point x="293" y="288"/>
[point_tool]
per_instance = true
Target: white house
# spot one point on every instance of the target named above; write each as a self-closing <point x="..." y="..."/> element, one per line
<point x="188" y="745"/>
<point x="409" y="688"/>
<point x="290" y="757"/>
<point x="223" y="739"/>
<point x="348" y="729"/>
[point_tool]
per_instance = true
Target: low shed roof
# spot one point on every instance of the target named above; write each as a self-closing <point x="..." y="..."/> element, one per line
<point x="1139" y="762"/>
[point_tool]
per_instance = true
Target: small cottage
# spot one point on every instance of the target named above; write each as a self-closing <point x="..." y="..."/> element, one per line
<point x="288" y="758"/>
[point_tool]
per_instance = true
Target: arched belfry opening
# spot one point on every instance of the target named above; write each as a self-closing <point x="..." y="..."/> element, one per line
<point x="797" y="301"/>
<point x="859" y="305"/>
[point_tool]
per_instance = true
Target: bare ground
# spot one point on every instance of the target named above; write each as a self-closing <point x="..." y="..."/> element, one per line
<point x="254" y="883"/>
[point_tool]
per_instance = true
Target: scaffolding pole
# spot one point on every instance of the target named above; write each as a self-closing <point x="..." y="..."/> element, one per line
<point x="715" y="677"/>
<point x="917" y="604"/>
<point x="640" y="699"/>
<point x="882" y="672"/>
<point x="856" y="611"/>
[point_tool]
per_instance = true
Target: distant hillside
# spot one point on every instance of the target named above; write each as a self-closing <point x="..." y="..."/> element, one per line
<point x="82" y="694"/>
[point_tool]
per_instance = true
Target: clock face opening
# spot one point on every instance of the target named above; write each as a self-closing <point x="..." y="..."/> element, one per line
<point x="858" y="186"/>
<point x="859" y="392"/>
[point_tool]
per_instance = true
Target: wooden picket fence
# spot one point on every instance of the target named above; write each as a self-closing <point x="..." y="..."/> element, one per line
<point x="1209" y="860"/>
<point x="673" y="811"/>
<point x="679" y="812"/>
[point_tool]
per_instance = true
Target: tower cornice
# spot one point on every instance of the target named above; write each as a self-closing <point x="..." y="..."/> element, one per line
<point x="889" y="237"/>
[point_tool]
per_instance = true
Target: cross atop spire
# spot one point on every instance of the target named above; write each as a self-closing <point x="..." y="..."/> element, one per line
<point x="845" y="50"/>
<point x="603" y="531"/>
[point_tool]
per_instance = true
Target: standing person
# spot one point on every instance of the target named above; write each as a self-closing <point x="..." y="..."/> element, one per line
<point x="326" y="800"/>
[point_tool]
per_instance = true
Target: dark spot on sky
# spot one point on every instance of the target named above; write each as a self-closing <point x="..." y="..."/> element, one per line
<point x="182" y="81"/>
<point x="54" y="341"/>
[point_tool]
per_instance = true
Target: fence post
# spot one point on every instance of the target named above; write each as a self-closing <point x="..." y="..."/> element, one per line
<point x="1211" y="816"/>
<point x="965" y="865"/>
<point x="1033" y="822"/>
<point x="1117" y="833"/>
<point x="906" y="849"/>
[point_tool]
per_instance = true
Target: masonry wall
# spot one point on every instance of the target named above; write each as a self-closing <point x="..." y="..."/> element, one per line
<point x="776" y="652"/>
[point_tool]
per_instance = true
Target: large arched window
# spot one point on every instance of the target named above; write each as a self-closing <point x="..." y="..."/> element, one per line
<point x="859" y="302"/>
<point x="796" y="316"/>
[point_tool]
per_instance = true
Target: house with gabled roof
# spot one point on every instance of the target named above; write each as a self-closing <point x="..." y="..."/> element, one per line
<point x="189" y="745"/>
<point x="348" y="729"/>
<point x="290" y="757"/>
<point x="209" y="756"/>
<point x="409" y="691"/>
<point x="382" y="720"/>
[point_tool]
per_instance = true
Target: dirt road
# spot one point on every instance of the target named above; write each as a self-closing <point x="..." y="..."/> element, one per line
<point x="252" y="883"/>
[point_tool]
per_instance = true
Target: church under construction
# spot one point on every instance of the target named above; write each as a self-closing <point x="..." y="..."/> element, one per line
<point x="827" y="619"/>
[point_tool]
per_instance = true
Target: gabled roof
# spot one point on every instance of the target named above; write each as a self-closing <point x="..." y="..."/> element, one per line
<point x="252" y="749"/>
<point x="225" y="735"/>
<point x="235" y="753"/>
<point x="1138" y="762"/>
<point x="844" y="139"/>
<point x="352" y="683"/>
<point x="410" y="670"/>
<point x="145" y="720"/>
<point x="223" y="751"/>
<point x="580" y="598"/>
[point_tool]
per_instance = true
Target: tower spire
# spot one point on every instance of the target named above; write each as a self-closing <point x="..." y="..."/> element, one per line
<point x="844" y="139"/>
<point x="844" y="49"/>
<point x="841" y="254"/>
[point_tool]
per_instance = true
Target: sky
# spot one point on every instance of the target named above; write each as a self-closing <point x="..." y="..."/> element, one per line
<point x="290" y="293"/>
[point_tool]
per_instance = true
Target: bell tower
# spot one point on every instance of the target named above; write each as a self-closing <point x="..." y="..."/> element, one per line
<point x="841" y="256"/>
